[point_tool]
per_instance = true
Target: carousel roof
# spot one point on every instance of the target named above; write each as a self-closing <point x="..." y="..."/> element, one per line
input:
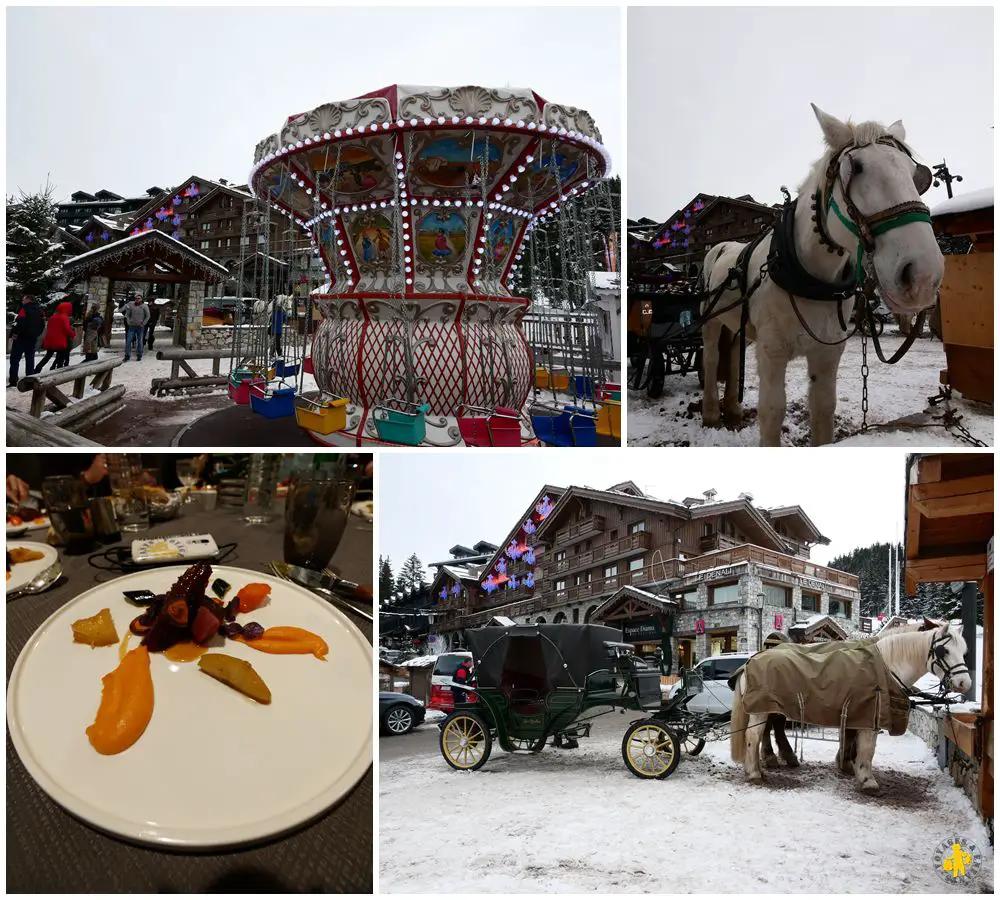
<point x="459" y="175"/>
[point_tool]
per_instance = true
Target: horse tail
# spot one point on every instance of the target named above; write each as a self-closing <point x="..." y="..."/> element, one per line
<point x="738" y="724"/>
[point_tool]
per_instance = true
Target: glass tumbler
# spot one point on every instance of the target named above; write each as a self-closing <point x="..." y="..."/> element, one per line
<point x="129" y="491"/>
<point x="69" y="511"/>
<point x="316" y="514"/>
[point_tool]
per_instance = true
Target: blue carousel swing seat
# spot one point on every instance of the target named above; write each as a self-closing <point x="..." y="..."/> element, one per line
<point x="277" y="402"/>
<point x="573" y="427"/>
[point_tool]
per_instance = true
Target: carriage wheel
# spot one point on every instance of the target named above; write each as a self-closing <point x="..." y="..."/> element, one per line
<point x="693" y="746"/>
<point x="650" y="749"/>
<point x="527" y="745"/>
<point x="465" y="741"/>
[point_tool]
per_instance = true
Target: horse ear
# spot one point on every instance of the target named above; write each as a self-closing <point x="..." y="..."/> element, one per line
<point x="929" y="624"/>
<point x="838" y="134"/>
<point x="897" y="130"/>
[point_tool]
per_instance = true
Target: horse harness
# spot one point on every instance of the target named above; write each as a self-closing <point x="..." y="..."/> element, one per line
<point x="786" y="270"/>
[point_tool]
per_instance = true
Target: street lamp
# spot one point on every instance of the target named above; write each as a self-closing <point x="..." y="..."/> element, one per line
<point x="761" y="597"/>
<point x="941" y="173"/>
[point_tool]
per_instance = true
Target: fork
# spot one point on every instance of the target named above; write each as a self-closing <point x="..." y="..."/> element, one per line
<point x="42" y="581"/>
<point x="281" y="571"/>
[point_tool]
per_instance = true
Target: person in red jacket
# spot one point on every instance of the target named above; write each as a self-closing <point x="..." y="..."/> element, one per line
<point x="58" y="338"/>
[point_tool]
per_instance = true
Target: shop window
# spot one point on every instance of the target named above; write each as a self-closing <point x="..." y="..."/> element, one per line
<point x="777" y="595"/>
<point x="724" y="594"/>
<point x="810" y="602"/>
<point x="840" y="607"/>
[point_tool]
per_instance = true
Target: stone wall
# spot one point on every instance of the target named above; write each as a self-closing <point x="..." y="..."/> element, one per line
<point x="194" y="309"/>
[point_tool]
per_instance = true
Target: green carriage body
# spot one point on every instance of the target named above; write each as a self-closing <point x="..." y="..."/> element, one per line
<point x="533" y="682"/>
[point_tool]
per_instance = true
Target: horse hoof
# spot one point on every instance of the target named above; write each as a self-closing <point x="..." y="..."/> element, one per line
<point x="770" y="762"/>
<point x="756" y="779"/>
<point x="710" y="420"/>
<point x="791" y="761"/>
<point x="869" y="787"/>
<point x="732" y="419"/>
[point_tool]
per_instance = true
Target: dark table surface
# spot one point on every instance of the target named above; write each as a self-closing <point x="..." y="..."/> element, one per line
<point x="49" y="850"/>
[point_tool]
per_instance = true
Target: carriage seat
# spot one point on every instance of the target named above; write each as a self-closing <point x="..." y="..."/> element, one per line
<point x="525" y="695"/>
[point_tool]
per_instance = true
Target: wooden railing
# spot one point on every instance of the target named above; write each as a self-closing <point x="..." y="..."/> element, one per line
<point x="76" y="411"/>
<point x="580" y="530"/>
<point x="641" y="540"/>
<point x="749" y="553"/>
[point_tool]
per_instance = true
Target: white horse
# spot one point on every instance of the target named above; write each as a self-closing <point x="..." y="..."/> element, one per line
<point x="865" y="189"/>
<point x="908" y="656"/>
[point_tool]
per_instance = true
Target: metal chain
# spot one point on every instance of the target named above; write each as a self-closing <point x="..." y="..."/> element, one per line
<point x="864" y="380"/>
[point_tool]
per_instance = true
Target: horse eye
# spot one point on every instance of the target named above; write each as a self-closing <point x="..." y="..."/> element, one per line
<point x="856" y="167"/>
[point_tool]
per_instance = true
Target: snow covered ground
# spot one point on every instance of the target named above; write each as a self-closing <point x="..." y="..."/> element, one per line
<point x="575" y="821"/>
<point x="893" y="392"/>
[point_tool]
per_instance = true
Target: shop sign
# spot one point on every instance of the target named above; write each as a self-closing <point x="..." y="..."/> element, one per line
<point x="642" y="630"/>
<point x="699" y="626"/>
<point x="779" y="623"/>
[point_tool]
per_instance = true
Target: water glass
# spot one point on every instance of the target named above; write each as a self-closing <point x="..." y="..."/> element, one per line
<point x="69" y="511"/>
<point x="129" y="491"/>
<point x="262" y="483"/>
<point x="316" y="514"/>
<point x="188" y="473"/>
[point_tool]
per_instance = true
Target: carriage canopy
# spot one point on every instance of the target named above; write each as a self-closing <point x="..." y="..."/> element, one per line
<point x="550" y="656"/>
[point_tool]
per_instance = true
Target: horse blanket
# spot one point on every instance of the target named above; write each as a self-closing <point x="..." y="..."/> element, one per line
<point x="834" y="684"/>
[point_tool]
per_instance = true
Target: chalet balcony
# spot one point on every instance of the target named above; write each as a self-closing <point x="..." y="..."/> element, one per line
<point x="641" y="540"/>
<point x="750" y="553"/>
<point x="711" y="542"/>
<point x="579" y="531"/>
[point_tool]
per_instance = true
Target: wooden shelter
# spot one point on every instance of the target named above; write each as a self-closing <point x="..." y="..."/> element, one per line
<point x="967" y="294"/>
<point x="154" y="257"/>
<point x="949" y="537"/>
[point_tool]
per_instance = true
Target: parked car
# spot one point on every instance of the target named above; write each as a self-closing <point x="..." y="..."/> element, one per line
<point x="445" y="667"/>
<point x="707" y="682"/>
<point x="399" y="713"/>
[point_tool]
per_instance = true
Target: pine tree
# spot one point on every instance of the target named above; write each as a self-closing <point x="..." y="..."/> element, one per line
<point x="33" y="254"/>
<point x="871" y="565"/>
<point x="386" y="585"/>
<point x="412" y="573"/>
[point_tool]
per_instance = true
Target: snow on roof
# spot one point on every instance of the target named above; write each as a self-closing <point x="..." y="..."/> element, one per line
<point x="418" y="662"/>
<point x="117" y="245"/>
<point x="605" y="281"/>
<point x="981" y="199"/>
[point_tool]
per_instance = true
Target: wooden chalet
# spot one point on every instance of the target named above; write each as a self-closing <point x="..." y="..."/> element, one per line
<point x="949" y="538"/>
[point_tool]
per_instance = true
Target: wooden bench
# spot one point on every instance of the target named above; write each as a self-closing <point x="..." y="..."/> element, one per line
<point x="25" y="431"/>
<point x="85" y="411"/>
<point x="190" y="381"/>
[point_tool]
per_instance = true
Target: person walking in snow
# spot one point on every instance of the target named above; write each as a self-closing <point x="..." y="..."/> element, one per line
<point x="28" y="327"/>
<point x="136" y="317"/>
<point x="154" y="317"/>
<point x="93" y="322"/>
<point x="58" y="338"/>
<point x="277" y="325"/>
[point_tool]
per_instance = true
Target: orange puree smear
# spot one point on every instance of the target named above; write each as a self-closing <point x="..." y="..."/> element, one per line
<point x="126" y="705"/>
<point x="185" y="651"/>
<point x="287" y="639"/>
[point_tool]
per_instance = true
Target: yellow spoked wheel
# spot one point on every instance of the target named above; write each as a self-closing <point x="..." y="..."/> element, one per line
<point x="650" y="749"/>
<point x="465" y="741"/>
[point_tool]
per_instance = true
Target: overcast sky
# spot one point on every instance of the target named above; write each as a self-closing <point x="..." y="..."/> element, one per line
<point x="127" y="98"/>
<point x="718" y="98"/>
<point x="430" y="502"/>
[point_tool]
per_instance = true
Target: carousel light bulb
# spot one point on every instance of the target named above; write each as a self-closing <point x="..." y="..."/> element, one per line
<point x="441" y="120"/>
<point x="520" y="123"/>
<point x="382" y="205"/>
<point x="494" y="121"/>
<point x="497" y="196"/>
<point x="532" y="126"/>
<point x="455" y="120"/>
<point x="385" y="126"/>
<point x="505" y="187"/>
<point x="436" y="203"/>
<point x="336" y="133"/>
<point x="409" y="281"/>
<point x="343" y="253"/>
<point x="562" y="132"/>
<point x="479" y="203"/>
<point x="468" y="120"/>
<point x="529" y="159"/>
<point x="340" y="243"/>
<point x="404" y="213"/>
<point x="458" y="203"/>
<point x="428" y="120"/>
<point x="520" y="169"/>
<point x="447" y="203"/>
<point x="413" y="123"/>
<point x="400" y="123"/>
<point x="541" y="127"/>
<point x="408" y="269"/>
<point x="298" y="144"/>
<point x="425" y="202"/>
<point x="408" y="259"/>
<point x="308" y="141"/>
<point x="482" y="120"/>
<point x="309" y="190"/>
<point x="323" y="205"/>
<point x="413" y="201"/>
<point x="482" y="239"/>
<point x="406" y="247"/>
<point x="508" y="122"/>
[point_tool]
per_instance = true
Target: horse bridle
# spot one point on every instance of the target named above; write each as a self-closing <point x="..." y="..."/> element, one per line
<point x="937" y="655"/>
<point x="867" y="228"/>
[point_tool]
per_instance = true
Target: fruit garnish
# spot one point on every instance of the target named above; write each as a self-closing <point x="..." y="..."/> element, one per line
<point x="252" y="630"/>
<point x="97" y="631"/>
<point x="237" y="674"/>
<point x="252" y="596"/>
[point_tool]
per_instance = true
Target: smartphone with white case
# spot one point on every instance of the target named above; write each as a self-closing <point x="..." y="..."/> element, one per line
<point x="179" y="548"/>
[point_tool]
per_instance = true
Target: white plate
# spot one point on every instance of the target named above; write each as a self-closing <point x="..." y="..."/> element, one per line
<point x="15" y="530"/>
<point x="213" y="767"/>
<point x="22" y="573"/>
<point x="42" y="522"/>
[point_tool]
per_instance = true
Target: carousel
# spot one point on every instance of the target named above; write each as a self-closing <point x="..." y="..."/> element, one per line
<point x="420" y="204"/>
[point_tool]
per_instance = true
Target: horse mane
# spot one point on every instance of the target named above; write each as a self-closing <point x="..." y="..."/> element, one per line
<point x="909" y="648"/>
<point x="862" y="133"/>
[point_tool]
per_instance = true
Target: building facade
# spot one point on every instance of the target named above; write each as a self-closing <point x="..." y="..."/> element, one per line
<point x="81" y="206"/>
<point x="701" y="576"/>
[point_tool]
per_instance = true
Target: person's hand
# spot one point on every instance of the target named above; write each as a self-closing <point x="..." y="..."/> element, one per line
<point x="17" y="490"/>
<point x="98" y="469"/>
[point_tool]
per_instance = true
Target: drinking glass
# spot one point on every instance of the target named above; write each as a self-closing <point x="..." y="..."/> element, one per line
<point x="262" y="482"/>
<point x="69" y="511"/>
<point x="316" y="513"/>
<point x="129" y="491"/>
<point x="188" y="473"/>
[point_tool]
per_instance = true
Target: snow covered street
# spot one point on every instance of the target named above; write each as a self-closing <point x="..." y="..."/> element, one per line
<point x="894" y="392"/>
<point x="576" y="821"/>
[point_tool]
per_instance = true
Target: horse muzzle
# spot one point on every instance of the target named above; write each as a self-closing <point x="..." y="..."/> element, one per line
<point x="960" y="684"/>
